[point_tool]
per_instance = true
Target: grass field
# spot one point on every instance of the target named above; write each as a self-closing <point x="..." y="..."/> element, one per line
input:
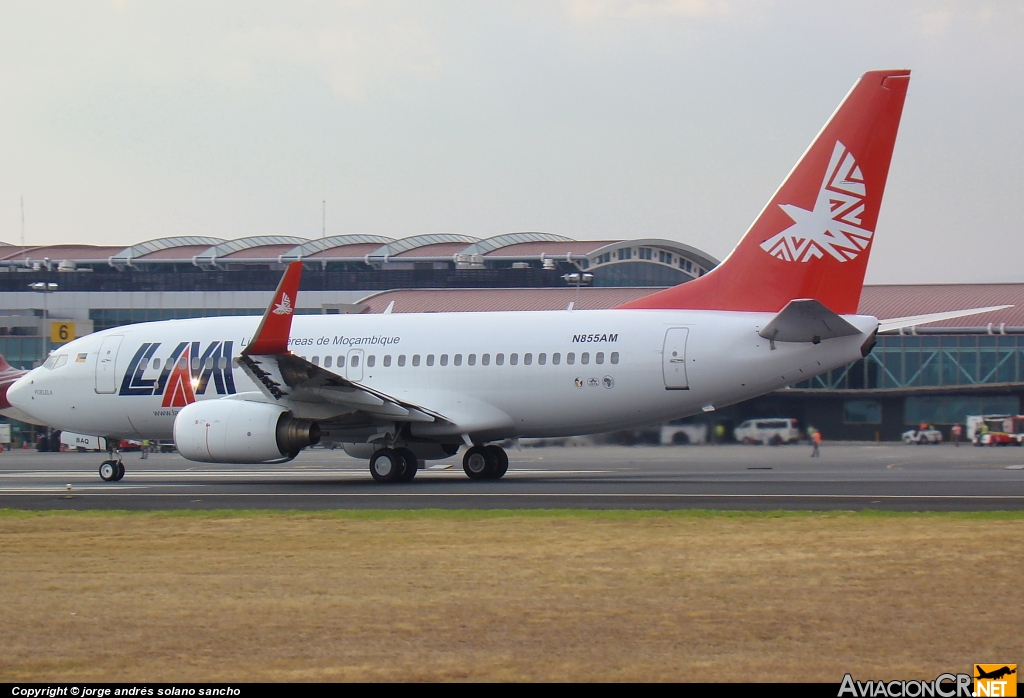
<point x="689" y="596"/>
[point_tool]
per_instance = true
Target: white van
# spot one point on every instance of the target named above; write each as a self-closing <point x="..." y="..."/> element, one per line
<point x="767" y="431"/>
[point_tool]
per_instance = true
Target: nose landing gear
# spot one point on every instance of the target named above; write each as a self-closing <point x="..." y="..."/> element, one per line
<point x="112" y="470"/>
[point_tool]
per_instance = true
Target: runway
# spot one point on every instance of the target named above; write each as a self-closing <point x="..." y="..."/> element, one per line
<point x="847" y="476"/>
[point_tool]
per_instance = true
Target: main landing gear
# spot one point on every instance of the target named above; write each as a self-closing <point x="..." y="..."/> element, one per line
<point x="401" y="464"/>
<point x="394" y="465"/>
<point x="112" y="470"/>
<point x="485" y="462"/>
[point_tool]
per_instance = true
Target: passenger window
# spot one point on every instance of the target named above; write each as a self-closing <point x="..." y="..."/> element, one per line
<point x="387" y="359"/>
<point x="401" y="359"/>
<point x="527" y="359"/>
<point x="209" y="362"/>
<point x="472" y="359"/>
<point x="585" y="357"/>
<point x="444" y="359"/>
<point x="234" y="362"/>
<point x="341" y="361"/>
<point x="222" y="363"/>
<point x="156" y="364"/>
<point x="542" y="359"/>
<point x="458" y="359"/>
<point x="485" y="359"/>
<point x="144" y="364"/>
<point x="415" y="359"/>
<point x="556" y="358"/>
<point x="371" y="360"/>
<point x="327" y="361"/>
<point x="599" y="359"/>
<point x="316" y="360"/>
<point x="499" y="359"/>
<point x="355" y="361"/>
<point x="430" y="359"/>
<point x="196" y="364"/>
<point x="513" y="359"/>
<point x="570" y="358"/>
<point x="615" y="357"/>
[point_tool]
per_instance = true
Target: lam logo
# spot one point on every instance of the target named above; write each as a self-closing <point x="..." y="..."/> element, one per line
<point x="833" y="227"/>
<point x="284" y="307"/>
<point x="186" y="373"/>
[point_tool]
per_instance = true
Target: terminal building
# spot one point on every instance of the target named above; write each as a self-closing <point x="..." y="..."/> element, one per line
<point x="938" y="374"/>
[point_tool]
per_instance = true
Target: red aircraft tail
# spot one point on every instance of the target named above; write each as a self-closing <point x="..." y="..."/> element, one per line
<point x="813" y="238"/>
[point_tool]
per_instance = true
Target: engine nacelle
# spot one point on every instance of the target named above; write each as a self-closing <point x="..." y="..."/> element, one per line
<point x="238" y="431"/>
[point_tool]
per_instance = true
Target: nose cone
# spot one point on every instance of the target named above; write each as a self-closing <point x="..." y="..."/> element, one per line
<point x="18" y="395"/>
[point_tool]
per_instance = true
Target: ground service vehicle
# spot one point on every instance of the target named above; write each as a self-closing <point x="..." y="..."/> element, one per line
<point x="767" y="431"/>
<point x="1001" y="430"/>
<point x="401" y="388"/>
<point x="922" y="436"/>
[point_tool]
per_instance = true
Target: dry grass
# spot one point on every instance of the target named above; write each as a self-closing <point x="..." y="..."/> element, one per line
<point x="551" y="596"/>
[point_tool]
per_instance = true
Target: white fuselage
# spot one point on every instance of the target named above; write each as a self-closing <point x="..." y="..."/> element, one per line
<point x="559" y="373"/>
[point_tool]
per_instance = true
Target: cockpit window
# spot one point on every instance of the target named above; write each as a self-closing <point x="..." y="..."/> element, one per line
<point x="50" y="362"/>
<point x="61" y="360"/>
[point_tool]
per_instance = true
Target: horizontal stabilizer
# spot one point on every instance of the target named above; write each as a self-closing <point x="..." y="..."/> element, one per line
<point x="897" y="323"/>
<point x="806" y="320"/>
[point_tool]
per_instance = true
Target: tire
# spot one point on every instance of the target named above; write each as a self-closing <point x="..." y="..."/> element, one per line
<point x="479" y="464"/>
<point x="120" y="472"/>
<point x="680" y="438"/>
<point x="386" y="465"/>
<point x="412" y="464"/>
<point x="108" y="470"/>
<point x="500" y="459"/>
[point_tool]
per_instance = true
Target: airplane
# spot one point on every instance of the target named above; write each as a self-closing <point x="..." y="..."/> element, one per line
<point x="8" y="375"/>
<point x="399" y="389"/>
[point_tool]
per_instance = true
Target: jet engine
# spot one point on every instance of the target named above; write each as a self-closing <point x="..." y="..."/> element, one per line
<point x="238" y="431"/>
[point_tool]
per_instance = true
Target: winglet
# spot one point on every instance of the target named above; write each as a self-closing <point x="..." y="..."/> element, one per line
<point x="272" y="335"/>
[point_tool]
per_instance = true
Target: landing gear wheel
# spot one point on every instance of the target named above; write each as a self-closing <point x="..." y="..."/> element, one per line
<point x="387" y="465"/>
<point x="120" y="472"/>
<point x="479" y="464"/>
<point x="411" y="464"/>
<point x="500" y="460"/>
<point x="109" y="470"/>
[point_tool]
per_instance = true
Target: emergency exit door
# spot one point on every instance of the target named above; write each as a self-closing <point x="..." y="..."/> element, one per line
<point x="673" y="360"/>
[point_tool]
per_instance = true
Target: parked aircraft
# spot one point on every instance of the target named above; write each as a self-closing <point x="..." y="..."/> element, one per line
<point x="401" y="388"/>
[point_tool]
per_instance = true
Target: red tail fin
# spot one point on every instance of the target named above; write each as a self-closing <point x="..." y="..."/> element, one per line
<point x="272" y="335"/>
<point x="813" y="238"/>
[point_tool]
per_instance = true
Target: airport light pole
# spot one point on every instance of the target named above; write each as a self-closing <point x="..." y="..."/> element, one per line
<point x="43" y="287"/>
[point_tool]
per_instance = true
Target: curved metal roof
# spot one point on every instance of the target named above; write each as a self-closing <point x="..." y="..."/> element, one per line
<point x="410" y="243"/>
<point x="210" y="256"/>
<point x="498" y="241"/>
<point x="125" y="256"/>
<point x="321" y="244"/>
<point x="692" y="253"/>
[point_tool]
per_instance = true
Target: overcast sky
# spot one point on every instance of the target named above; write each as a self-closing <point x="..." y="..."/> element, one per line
<point x="124" y="121"/>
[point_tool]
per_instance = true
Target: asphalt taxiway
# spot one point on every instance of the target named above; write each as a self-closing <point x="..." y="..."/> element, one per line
<point x="846" y="476"/>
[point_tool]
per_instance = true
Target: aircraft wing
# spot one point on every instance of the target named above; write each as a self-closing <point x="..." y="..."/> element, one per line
<point x="292" y="378"/>
<point x="897" y="323"/>
<point x="282" y="376"/>
<point x="806" y="320"/>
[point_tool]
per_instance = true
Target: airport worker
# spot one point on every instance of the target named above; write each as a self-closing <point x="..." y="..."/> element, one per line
<point x="719" y="433"/>
<point x="816" y="441"/>
<point x="956" y="432"/>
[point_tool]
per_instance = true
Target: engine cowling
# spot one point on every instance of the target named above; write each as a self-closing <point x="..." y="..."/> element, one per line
<point x="238" y="431"/>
